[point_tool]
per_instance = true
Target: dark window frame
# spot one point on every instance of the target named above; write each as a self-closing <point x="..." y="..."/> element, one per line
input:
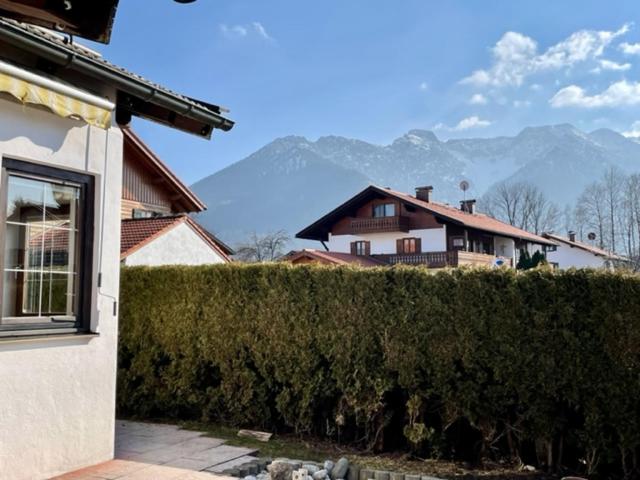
<point x="86" y="222"/>
<point x="361" y="252"/>
<point x="384" y="208"/>
<point x="409" y="242"/>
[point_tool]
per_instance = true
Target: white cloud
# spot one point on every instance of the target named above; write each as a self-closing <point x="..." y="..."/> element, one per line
<point x="464" y="124"/>
<point x="634" y="131"/>
<point x="515" y="56"/>
<point x="521" y="103"/>
<point x="478" y="99"/>
<point x="630" y="48"/>
<point x="612" y="66"/>
<point x="233" y="31"/>
<point x="424" y="86"/>
<point x="618" y="94"/>
<point x="241" y="31"/>
<point x="261" y="31"/>
<point x="471" y="122"/>
<point x="535" y="87"/>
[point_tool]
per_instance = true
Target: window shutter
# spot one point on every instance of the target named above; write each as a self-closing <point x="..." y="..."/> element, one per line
<point x="399" y="246"/>
<point x="353" y="248"/>
<point x="418" y="245"/>
<point x="367" y="248"/>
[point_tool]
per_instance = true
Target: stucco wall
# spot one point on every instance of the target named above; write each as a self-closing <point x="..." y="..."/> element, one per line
<point x="433" y="240"/>
<point x="567" y="257"/>
<point x="179" y="246"/>
<point x="57" y="396"/>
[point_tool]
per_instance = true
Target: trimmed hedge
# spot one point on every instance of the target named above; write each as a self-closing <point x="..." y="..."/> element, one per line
<point x="540" y="366"/>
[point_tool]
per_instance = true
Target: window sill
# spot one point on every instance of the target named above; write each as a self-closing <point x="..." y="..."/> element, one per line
<point x="25" y="337"/>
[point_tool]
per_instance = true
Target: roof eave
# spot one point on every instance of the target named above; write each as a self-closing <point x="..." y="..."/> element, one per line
<point x="135" y="97"/>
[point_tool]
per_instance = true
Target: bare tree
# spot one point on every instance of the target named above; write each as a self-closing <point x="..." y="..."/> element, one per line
<point x="263" y="248"/>
<point x="591" y="213"/>
<point x="522" y="205"/>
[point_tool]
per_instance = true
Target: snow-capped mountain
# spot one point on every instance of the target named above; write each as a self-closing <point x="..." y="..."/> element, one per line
<point x="292" y="181"/>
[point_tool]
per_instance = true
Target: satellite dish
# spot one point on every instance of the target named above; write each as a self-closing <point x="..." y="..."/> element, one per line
<point x="464" y="185"/>
<point x="591" y="236"/>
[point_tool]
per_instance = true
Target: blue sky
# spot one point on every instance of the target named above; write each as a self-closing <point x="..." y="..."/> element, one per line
<point x="373" y="70"/>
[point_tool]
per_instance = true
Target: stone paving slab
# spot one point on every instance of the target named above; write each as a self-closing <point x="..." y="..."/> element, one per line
<point x="221" y="467"/>
<point x="148" y="451"/>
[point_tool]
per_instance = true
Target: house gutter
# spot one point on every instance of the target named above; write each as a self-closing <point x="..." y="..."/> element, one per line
<point x="72" y="61"/>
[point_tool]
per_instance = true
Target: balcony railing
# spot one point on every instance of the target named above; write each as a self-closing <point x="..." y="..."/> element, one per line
<point x="455" y="258"/>
<point x="398" y="223"/>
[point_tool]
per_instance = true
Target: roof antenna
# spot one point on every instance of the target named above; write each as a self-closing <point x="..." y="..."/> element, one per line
<point x="464" y="186"/>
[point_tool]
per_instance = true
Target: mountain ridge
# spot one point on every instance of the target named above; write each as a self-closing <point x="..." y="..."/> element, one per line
<point x="292" y="181"/>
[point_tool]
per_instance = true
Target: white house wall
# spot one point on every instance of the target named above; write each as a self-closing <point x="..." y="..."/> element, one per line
<point x="179" y="246"/>
<point x="566" y="257"/>
<point x="433" y="240"/>
<point x="57" y="395"/>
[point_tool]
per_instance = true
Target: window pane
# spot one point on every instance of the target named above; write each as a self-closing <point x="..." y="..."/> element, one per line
<point x="390" y="210"/>
<point x="24" y="199"/>
<point x="41" y="250"/>
<point x="61" y="204"/>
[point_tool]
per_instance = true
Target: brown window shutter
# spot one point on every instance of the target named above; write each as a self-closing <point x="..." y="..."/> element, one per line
<point x="353" y="248"/>
<point x="418" y="245"/>
<point x="367" y="248"/>
<point x="399" y="246"/>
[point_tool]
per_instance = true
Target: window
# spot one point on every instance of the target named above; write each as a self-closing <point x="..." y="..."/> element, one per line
<point x="457" y="243"/>
<point x="384" y="210"/>
<point x="360" y="248"/>
<point x="550" y="248"/>
<point x="409" y="245"/>
<point x="46" y="243"/>
<point x="139" y="213"/>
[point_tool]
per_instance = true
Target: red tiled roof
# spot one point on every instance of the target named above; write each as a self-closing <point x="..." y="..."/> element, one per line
<point x="137" y="232"/>
<point x="584" y="246"/>
<point x="335" y="258"/>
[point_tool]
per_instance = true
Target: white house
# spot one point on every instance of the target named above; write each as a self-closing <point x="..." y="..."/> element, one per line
<point x="389" y="227"/>
<point x="570" y="252"/>
<point x="156" y="228"/>
<point x="61" y="154"/>
<point x="170" y="240"/>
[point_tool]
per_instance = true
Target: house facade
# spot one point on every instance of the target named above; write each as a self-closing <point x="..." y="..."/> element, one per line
<point x="572" y="253"/>
<point x="61" y="157"/>
<point x="396" y="228"/>
<point x="156" y="226"/>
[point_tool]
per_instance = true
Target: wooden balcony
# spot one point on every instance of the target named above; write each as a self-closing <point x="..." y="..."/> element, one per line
<point x="398" y="223"/>
<point x="456" y="258"/>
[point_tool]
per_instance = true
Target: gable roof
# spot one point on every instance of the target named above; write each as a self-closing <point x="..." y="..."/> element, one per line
<point x="169" y="179"/>
<point x="584" y="246"/>
<point x="335" y="258"/>
<point x="138" y="232"/>
<point x="136" y="95"/>
<point x="319" y="230"/>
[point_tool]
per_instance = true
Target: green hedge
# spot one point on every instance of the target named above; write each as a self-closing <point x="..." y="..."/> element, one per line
<point x="540" y="366"/>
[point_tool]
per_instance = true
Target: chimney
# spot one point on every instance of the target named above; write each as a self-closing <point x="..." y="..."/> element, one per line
<point x="572" y="236"/>
<point x="468" y="206"/>
<point x="424" y="193"/>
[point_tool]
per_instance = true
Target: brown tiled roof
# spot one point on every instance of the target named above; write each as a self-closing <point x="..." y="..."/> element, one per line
<point x="319" y="229"/>
<point x="477" y="221"/>
<point x="584" y="246"/>
<point x="335" y="258"/>
<point x="138" y="232"/>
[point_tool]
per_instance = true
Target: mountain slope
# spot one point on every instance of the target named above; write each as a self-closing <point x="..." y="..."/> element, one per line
<point x="292" y="181"/>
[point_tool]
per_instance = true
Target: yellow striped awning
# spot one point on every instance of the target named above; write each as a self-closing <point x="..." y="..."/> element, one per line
<point x="66" y="102"/>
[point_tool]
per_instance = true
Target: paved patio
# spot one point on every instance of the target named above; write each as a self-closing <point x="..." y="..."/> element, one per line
<point x="163" y="452"/>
